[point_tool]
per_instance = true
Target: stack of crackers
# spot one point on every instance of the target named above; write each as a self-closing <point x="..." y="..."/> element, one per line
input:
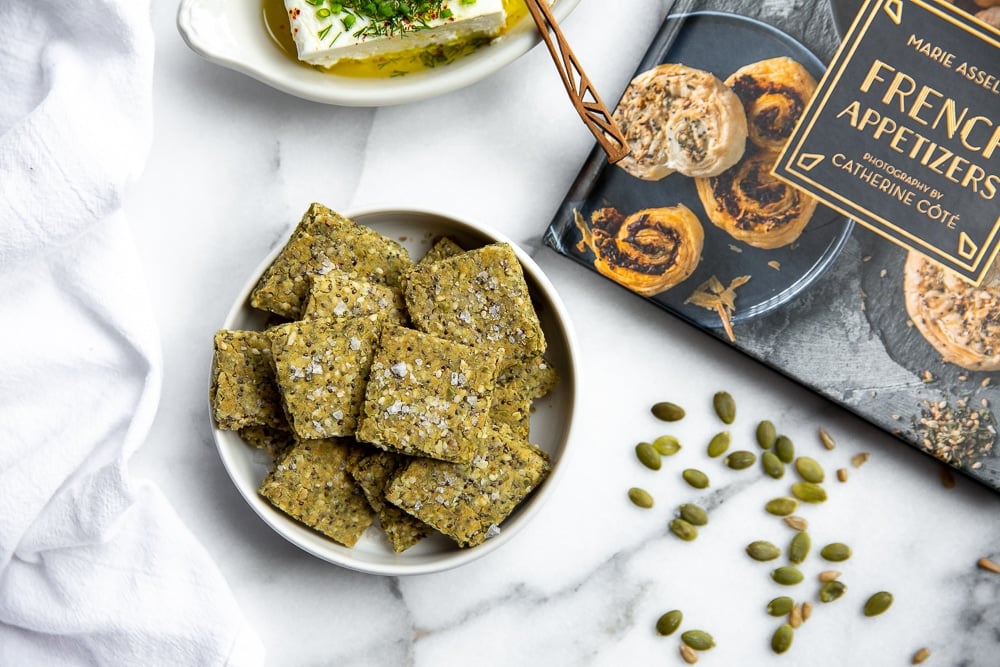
<point x="388" y="389"/>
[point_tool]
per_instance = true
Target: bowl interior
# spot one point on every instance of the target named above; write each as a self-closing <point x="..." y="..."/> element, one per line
<point x="551" y="422"/>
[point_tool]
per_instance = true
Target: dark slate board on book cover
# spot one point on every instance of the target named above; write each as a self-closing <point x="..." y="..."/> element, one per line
<point x="826" y="305"/>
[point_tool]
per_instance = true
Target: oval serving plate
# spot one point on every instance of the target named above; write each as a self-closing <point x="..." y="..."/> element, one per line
<point x="551" y="420"/>
<point x="233" y="35"/>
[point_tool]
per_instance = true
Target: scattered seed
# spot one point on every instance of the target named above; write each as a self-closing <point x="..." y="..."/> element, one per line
<point x="878" y="603"/>
<point x="693" y="514"/>
<point x="781" y="506"/>
<point x="842" y="474"/>
<point x="762" y="550"/>
<point x="809" y="492"/>
<point x="921" y="655"/>
<point x="859" y="460"/>
<point x="695" y="478"/>
<point x="781" y="641"/>
<point x="648" y="455"/>
<point x="667" y="445"/>
<point x="683" y="530"/>
<point x="699" y="640"/>
<point x="809" y="469"/>
<point x="795" y="616"/>
<point x="669" y="622"/>
<point x="988" y="565"/>
<point x="826" y="439"/>
<point x="772" y="465"/>
<point x="784" y="448"/>
<point x="724" y="406"/>
<point x="640" y="497"/>
<point x="740" y="459"/>
<point x="832" y="590"/>
<point x="807" y="610"/>
<point x="668" y="412"/>
<point x="719" y="444"/>
<point x="689" y="655"/>
<point x="828" y="575"/>
<point x="799" y="548"/>
<point x="766" y="434"/>
<point x="780" y="606"/>
<point x="796" y="522"/>
<point x="787" y="575"/>
<point x="947" y="478"/>
<point x="836" y="552"/>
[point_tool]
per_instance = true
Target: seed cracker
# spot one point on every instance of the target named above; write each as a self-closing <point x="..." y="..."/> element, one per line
<point x="535" y="375"/>
<point x="338" y="295"/>
<point x="511" y="406"/>
<point x="443" y="248"/>
<point x="310" y="484"/>
<point x="325" y="242"/>
<point x="322" y="368"/>
<point x="273" y="440"/>
<point x="372" y="471"/>
<point x="468" y="502"/>
<point x="427" y="396"/>
<point x="243" y="391"/>
<point x="479" y="298"/>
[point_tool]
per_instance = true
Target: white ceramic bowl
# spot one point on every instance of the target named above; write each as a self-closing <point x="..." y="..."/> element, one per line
<point x="232" y="34"/>
<point x="551" y="422"/>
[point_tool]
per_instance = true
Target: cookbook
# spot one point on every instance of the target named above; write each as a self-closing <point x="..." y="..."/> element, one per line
<point x="824" y="195"/>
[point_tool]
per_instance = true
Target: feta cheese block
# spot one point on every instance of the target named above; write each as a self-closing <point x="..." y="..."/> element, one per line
<point x="326" y="32"/>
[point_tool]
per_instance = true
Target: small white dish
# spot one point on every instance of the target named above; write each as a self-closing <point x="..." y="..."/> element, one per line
<point x="551" y="422"/>
<point x="233" y="34"/>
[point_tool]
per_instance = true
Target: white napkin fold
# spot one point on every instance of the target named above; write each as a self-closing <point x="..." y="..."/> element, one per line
<point x="94" y="568"/>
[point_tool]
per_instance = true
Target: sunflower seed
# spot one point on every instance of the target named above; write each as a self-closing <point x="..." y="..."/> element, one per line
<point x="878" y="603"/>
<point x="795" y="616"/>
<point x="740" y="459"/>
<point x="808" y="492"/>
<point x="695" y="478"/>
<point x="689" y="655"/>
<point x="669" y="622"/>
<point x="781" y="641"/>
<point x="807" y="610"/>
<point x="668" y="412"/>
<point x="693" y="514"/>
<point x="828" y="575"/>
<point x="842" y="474"/>
<point x="799" y="548"/>
<point x="809" y="469"/>
<point x="762" y="550"/>
<point x="780" y="606"/>
<point x="724" y="406"/>
<point x="719" y="444"/>
<point x="766" y="434"/>
<point x="796" y="522"/>
<point x="921" y="655"/>
<point x="772" y="465"/>
<point x="667" y="445"/>
<point x="699" y="640"/>
<point x="683" y="530"/>
<point x="825" y="438"/>
<point x="784" y="448"/>
<point x="859" y="460"/>
<point x="648" y="455"/>
<point x="787" y="575"/>
<point x="640" y="497"/>
<point x="988" y="565"/>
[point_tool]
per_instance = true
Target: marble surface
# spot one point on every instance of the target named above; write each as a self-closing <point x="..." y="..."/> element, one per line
<point x="233" y="166"/>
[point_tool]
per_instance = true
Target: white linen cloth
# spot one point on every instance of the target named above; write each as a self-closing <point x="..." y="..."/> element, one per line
<point x="94" y="567"/>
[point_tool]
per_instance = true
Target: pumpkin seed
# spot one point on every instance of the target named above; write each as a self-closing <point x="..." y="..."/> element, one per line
<point x="762" y="550"/>
<point x="648" y="455"/>
<point x="799" y="548"/>
<point x="784" y="448"/>
<point x="699" y="640"/>
<point x="921" y="655"/>
<point x="796" y="522"/>
<point x="836" y="552"/>
<point x="807" y="610"/>
<point x="695" y="478"/>
<point x="725" y="406"/>
<point x="669" y="622"/>
<point x="832" y="590"/>
<point x="693" y="514"/>
<point x="740" y="459"/>
<point x="640" y="497"/>
<point x="795" y="616"/>
<point x="772" y="465"/>
<point x="667" y="411"/>
<point x="766" y="434"/>
<point x="683" y="530"/>
<point x="787" y="575"/>
<point x="719" y="444"/>
<point x="809" y="492"/>
<point x="878" y="603"/>
<point x="780" y="606"/>
<point x="809" y="469"/>
<point x="667" y="445"/>
<point x="781" y="506"/>
<point x="781" y="641"/>
<point x="825" y="438"/>
<point x="689" y="654"/>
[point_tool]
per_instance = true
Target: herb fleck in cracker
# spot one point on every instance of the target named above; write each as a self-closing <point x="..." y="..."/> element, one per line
<point x="427" y="396"/>
<point x="468" y="501"/>
<point x="310" y="484"/>
<point x="243" y="391"/>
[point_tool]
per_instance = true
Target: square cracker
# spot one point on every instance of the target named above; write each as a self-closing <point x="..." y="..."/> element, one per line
<point x="468" y="501"/>
<point x="338" y="295"/>
<point x="325" y="242"/>
<point x="310" y="484"/>
<point x="443" y="248"/>
<point x="535" y="376"/>
<point x="243" y="391"/>
<point x="372" y="471"/>
<point x="321" y="367"/>
<point x="427" y="396"/>
<point x="479" y="298"/>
